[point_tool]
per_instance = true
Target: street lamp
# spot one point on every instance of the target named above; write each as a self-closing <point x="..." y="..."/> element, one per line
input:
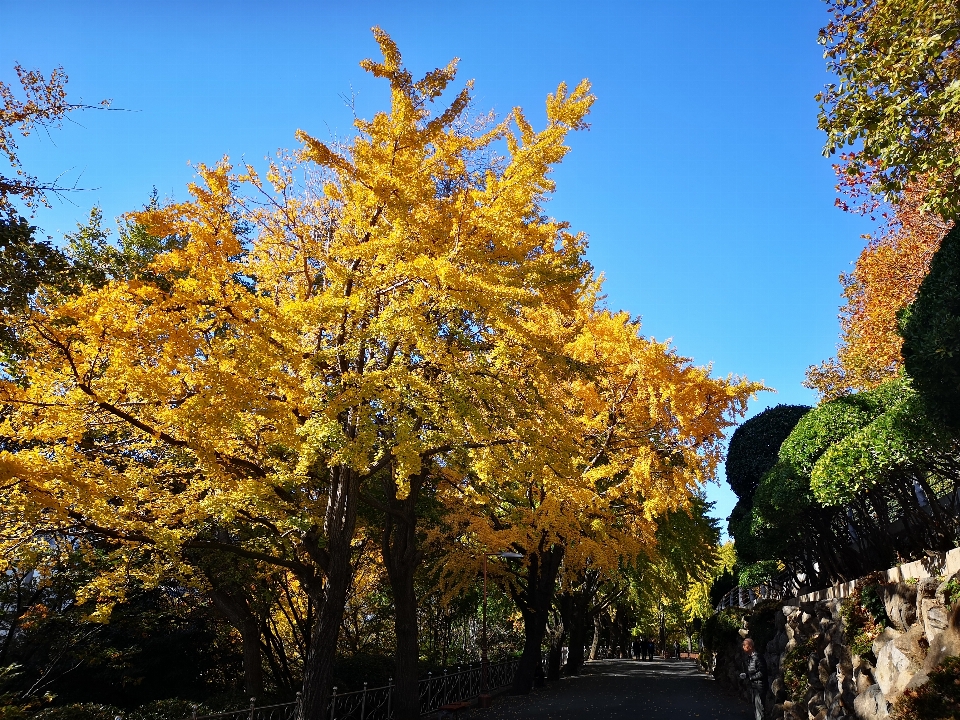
<point x="484" y="699"/>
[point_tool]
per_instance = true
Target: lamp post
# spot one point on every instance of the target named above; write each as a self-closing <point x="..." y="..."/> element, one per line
<point x="484" y="699"/>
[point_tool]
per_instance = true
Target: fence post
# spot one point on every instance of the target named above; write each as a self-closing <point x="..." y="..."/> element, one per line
<point x="253" y="705"/>
<point x="390" y="699"/>
<point x="299" y="714"/>
<point x="429" y="691"/>
<point x="363" y="703"/>
<point x="193" y="712"/>
<point x="333" y="704"/>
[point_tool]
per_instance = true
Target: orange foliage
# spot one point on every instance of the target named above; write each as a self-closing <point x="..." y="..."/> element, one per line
<point x="885" y="279"/>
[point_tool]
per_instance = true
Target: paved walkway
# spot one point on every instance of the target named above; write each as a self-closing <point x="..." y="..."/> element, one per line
<point x="624" y="690"/>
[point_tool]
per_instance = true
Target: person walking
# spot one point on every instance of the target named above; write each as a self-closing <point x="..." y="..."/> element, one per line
<point x="756" y="675"/>
<point x="676" y="649"/>
<point x="636" y="650"/>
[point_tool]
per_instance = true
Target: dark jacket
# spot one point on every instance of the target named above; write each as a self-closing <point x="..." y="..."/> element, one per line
<point x="757" y="670"/>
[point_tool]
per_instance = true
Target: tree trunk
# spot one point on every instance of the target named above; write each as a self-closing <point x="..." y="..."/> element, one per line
<point x="575" y="608"/>
<point x="555" y="658"/>
<point x="534" y="603"/>
<point x="331" y="597"/>
<point x="576" y="642"/>
<point x="401" y="557"/>
<point x="235" y="608"/>
<point x="594" y="646"/>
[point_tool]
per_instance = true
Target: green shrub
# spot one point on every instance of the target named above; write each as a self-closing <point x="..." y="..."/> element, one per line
<point x="795" y="669"/>
<point x="864" y="617"/>
<point x="172" y="709"/>
<point x="951" y="591"/>
<point x="759" y="573"/>
<point x="722" y="629"/>
<point x="873" y="603"/>
<point x="78" y="711"/>
<point x="755" y="444"/>
<point x="939" y="699"/>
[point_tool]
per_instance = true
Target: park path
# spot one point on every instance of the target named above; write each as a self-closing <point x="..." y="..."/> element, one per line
<point x="624" y="690"/>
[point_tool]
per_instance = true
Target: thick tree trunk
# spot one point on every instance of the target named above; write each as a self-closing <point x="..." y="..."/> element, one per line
<point x="534" y="602"/>
<point x="235" y="608"/>
<point x="575" y="606"/>
<point x="576" y="642"/>
<point x="555" y="657"/>
<point x="401" y="557"/>
<point x="331" y="597"/>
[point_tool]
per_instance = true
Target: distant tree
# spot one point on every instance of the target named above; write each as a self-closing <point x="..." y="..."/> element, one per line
<point x="25" y="264"/>
<point x="931" y="332"/>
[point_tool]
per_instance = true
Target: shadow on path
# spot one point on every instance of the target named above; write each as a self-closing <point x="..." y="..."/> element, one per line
<point x="624" y="690"/>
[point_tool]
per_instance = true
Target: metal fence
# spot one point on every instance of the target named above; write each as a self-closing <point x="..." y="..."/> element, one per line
<point x="748" y="597"/>
<point x="451" y="686"/>
<point x="281" y="711"/>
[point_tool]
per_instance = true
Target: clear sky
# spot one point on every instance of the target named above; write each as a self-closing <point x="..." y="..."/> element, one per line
<point x="700" y="184"/>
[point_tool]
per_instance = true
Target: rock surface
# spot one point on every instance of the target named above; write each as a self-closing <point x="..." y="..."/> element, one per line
<point x="900" y="600"/>
<point x="871" y="705"/>
<point x="834" y="684"/>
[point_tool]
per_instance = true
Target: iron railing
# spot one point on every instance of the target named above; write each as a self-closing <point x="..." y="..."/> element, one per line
<point x="451" y="686"/>
<point x="281" y="711"/>
<point x="748" y="597"/>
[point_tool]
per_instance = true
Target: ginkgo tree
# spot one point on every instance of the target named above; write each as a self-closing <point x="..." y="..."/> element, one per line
<point x="301" y="342"/>
<point x="643" y="429"/>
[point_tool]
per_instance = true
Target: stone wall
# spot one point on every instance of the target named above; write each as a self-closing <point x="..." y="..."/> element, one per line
<point x="813" y="671"/>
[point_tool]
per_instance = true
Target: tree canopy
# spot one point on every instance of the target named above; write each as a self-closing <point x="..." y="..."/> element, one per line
<point x="897" y="96"/>
<point x="250" y="386"/>
<point x="931" y="332"/>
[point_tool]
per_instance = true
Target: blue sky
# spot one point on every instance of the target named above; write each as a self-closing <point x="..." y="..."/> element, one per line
<point x="700" y="183"/>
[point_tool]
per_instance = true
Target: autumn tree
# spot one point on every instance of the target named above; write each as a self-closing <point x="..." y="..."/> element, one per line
<point x="885" y="280"/>
<point x="894" y="104"/>
<point x="896" y="97"/>
<point x="302" y="344"/>
<point x="42" y="103"/>
<point x="644" y="428"/>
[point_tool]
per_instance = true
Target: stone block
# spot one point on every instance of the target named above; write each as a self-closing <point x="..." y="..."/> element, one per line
<point x="897" y="663"/>
<point x="824" y="673"/>
<point x="917" y="680"/>
<point x="946" y="642"/>
<point x="913" y="644"/>
<point x="883" y="638"/>
<point x="862" y="675"/>
<point x="926" y="588"/>
<point x="871" y="705"/>
<point x="900" y="599"/>
<point x="934" y="617"/>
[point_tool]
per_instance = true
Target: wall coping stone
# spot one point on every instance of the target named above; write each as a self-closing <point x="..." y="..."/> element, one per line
<point x="933" y="566"/>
